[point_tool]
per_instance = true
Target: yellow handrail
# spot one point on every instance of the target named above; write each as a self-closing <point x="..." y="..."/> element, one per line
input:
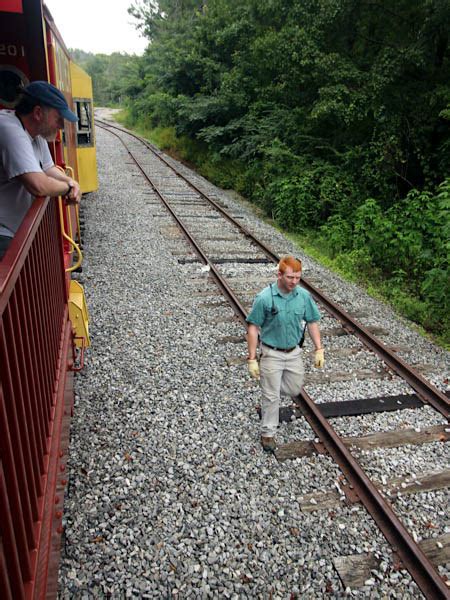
<point x="64" y="234"/>
<point x="69" y="239"/>
<point x="77" y="206"/>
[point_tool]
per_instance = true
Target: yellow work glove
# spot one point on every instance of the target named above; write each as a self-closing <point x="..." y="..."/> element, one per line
<point x="319" y="359"/>
<point x="253" y="368"/>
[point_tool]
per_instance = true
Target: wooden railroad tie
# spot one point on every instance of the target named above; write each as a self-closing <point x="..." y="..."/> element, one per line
<point x="356" y="569"/>
<point x="389" y="439"/>
<point x="399" y="486"/>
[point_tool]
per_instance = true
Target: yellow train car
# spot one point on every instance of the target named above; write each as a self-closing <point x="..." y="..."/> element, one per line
<point x="85" y="134"/>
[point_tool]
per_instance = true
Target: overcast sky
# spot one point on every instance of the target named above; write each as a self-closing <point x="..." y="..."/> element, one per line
<point x="99" y="26"/>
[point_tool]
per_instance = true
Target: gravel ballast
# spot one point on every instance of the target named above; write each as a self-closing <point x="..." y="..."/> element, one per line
<point x="170" y="494"/>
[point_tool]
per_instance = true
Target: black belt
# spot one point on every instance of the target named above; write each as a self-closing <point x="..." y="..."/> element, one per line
<point x="286" y="350"/>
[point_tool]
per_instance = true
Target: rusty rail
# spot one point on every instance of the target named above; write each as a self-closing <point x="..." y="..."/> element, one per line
<point x="413" y="558"/>
<point x="425" y="390"/>
<point x="237" y="306"/>
<point x="415" y="561"/>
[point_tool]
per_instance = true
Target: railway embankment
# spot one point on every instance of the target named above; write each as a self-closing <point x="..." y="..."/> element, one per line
<point x="170" y="494"/>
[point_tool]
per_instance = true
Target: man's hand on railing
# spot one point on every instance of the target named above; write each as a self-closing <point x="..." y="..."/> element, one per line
<point x="73" y="195"/>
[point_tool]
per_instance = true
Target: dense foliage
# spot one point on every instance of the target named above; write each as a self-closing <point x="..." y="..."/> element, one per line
<point x="113" y="75"/>
<point x="332" y="115"/>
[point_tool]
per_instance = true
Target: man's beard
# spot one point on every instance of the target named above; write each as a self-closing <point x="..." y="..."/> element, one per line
<point x="49" y="134"/>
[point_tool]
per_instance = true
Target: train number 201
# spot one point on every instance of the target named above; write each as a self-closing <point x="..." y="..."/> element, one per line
<point x="11" y="50"/>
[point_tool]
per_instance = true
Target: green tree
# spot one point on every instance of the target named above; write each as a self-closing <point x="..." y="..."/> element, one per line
<point x="334" y="114"/>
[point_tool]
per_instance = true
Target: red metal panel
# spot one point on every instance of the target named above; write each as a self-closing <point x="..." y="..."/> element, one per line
<point x="14" y="465"/>
<point x="12" y="6"/>
<point x="39" y="324"/>
<point x="28" y="353"/>
<point x="10" y="574"/>
<point x="23" y="408"/>
<point x="51" y="519"/>
<point x="12" y="263"/>
<point x="35" y="401"/>
<point x="36" y="358"/>
<point x="5" y="587"/>
<point x="12" y="534"/>
<point x="44" y="324"/>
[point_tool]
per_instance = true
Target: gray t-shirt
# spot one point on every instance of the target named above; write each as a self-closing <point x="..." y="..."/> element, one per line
<point x="19" y="153"/>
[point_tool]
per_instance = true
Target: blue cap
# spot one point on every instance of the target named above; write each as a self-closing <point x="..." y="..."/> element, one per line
<point x="49" y="95"/>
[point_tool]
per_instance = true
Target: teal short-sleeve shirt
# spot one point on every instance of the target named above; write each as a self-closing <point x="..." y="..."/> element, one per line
<point x="283" y="329"/>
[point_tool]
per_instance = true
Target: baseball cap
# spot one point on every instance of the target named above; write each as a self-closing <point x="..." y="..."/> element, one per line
<point x="49" y="95"/>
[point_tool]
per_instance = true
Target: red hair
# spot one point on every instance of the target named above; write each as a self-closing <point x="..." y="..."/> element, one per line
<point x="290" y="261"/>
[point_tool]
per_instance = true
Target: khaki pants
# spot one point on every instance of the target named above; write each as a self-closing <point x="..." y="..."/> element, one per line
<point x="281" y="374"/>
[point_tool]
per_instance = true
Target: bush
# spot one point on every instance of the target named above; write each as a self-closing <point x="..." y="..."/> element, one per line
<point x="404" y="250"/>
<point x="309" y="196"/>
<point x="337" y="234"/>
<point x="435" y="291"/>
<point x="155" y="110"/>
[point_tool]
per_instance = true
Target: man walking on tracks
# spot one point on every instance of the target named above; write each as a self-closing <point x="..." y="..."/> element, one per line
<point x="276" y="318"/>
<point x="26" y="166"/>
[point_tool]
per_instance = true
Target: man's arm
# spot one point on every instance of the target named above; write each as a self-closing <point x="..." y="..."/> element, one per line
<point x="51" y="183"/>
<point x="252" y="340"/>
<point x="75" y="192"/>
<point x="314" y="332"/>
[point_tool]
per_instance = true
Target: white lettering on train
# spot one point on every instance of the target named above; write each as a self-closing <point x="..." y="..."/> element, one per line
<point x="11" y="50"/>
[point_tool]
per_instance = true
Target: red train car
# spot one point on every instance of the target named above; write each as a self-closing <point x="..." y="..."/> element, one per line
<point x="42" y="320"/>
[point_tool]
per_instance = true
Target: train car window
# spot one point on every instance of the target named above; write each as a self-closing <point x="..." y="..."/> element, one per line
<point x="11" y="80"/>
<point x="84" y="125"/>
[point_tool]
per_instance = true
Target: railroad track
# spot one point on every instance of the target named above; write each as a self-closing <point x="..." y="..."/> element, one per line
<point x="222" y="243"/>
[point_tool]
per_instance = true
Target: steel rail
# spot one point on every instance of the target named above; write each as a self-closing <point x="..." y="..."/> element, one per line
<point x="266" y="249"/>
<point x="425" y="390"/>
<point x="415" y="561"/>
<point x="413" y="558"/>
<point x="237" y="306"/>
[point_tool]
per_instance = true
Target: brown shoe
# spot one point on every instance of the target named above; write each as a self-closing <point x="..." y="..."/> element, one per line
<point x="268" y="444"/>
